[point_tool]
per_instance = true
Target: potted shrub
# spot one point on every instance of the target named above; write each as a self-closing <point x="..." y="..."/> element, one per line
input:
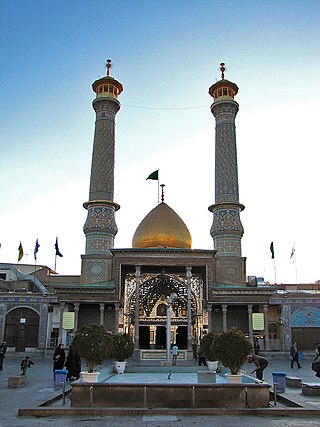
<point x="206" y="349"/>
<point x="123" y="348"/>
<point x="232" y="348"/>
<point x="95" y="345"/>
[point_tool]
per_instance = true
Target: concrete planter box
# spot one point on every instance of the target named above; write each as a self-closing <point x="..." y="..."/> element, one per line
<point x="170" y="396"/>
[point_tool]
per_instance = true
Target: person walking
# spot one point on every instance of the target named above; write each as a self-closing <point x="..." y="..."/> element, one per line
<point x="201" y="357"/>
<point x="59" y="357"/>
<point x="316" y="362"/>
<point x="261" y="364"/>
<point x="256" y="346"/>
<point x="175" y="353"/>
<point x="3" y="349"/>
<point x="25" y="363"/>
<point x="294" y="355"/>
<point x="73" y="364"/>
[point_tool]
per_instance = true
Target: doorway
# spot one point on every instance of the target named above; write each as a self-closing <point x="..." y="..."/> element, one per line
<point x="22" y="328"/>
<point x="161" y="337"/>
<point x="144" y="337"/>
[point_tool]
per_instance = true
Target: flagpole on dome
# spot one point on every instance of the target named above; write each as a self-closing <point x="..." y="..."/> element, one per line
<point x="155" y="176"/>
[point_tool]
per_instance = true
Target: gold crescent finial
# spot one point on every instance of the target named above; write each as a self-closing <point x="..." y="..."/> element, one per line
<point x="222" y="69"/>
<point x="108" y="66"/>
<point x="162" y="192"/>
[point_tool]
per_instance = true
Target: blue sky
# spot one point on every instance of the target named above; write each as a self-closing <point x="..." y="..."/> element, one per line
<point x="166" y="54"/>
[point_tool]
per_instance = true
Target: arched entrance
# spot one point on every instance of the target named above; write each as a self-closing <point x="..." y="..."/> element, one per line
<point x="22" y="328"/>
<point x="153" y="292"/>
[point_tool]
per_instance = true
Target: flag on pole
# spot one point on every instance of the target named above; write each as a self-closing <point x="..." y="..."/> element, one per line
<point x="154" y="175"/>
<point x="36" y="249"/>
<point x="292" y="252"/>
<point x="272" y="250"/>
<point x="20" y="249"/>
<point x="58" y="253"/>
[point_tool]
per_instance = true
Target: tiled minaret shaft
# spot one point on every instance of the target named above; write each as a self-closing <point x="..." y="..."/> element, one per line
<point x="226" y="229"/>
<point x="100" y="227"/>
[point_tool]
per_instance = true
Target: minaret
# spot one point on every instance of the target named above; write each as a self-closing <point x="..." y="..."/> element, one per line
<point x="226" y="229"/>
<point x="100" y="226"/>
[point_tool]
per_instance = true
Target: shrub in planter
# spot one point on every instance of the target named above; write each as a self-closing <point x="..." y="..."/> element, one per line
<point x="123" y="347"/>
<point x="205" y="345"/>
<point x="231" y="348"/>
<point x="94" y="344"/>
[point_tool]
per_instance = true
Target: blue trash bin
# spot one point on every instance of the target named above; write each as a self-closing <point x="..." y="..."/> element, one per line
<point x="60" y="377"/>
<point x="280" y="379"/>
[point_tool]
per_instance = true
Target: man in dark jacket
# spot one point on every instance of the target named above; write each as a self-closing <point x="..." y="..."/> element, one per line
<point x="294" y="355"/>
<point x="3" y="349"/>
<point x="260" y="362"/>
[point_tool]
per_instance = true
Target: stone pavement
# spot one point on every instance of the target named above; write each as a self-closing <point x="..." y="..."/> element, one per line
<point x="40" y="388"/>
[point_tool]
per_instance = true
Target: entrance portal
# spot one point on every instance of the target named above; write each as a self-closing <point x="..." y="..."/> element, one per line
<point x="181" y="337"/>
<point x="161" y="337"/>
<point x="144" y="337"/>
<point x="22" y="328"/>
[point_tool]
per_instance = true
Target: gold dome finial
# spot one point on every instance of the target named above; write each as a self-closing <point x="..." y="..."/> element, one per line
<point x="222" y="69"/>
<point x="108" y="66"/>
<point x="162" y="192"/>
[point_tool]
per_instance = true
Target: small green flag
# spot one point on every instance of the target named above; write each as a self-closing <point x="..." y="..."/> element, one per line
<point x="272" y="250"/>
<point x="154" y="175"/>
<point x="20" y="249"/>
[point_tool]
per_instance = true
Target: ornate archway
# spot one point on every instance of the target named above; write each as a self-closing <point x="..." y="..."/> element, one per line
<point x="153" y="291"/>
<point x="22" y="328"/>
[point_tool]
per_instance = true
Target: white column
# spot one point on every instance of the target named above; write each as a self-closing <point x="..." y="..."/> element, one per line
<point x="62" y="307"/>
<point x="136" y="311"/>
<point x="76" y="315"/>
<point x="224" y="317"/>
<point x="116" y="317"/>
<point x="209" y="309"/>
<point x="266" y="327"/>
<point x="102" y="304"/>
<point x="189" y="332"/>
<point x="250" y="322"/>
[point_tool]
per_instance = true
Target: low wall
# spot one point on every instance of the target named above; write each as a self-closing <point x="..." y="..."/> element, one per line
<point x="170" y="396"/>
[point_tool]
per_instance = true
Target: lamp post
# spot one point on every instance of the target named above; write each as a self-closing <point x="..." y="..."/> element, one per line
<point x="169" y="301"/>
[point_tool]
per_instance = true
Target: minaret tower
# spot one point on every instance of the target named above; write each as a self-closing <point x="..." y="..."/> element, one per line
<point x="226" y="229"/>
<point x="100" y="227"/>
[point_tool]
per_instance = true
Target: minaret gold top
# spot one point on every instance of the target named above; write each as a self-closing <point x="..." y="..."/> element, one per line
<point x="223" y="89"/>
<point x="107" y="87"/>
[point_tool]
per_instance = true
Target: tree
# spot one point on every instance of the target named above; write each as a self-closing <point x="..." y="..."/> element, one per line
<point x="231" y="348"/>
<point x="94" y="344"/>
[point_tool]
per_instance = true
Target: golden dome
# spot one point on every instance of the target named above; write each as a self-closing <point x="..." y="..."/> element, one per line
<point x="162" y="227"/>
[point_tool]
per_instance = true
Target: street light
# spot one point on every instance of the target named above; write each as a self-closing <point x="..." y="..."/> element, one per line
<point x="169" y="301"/>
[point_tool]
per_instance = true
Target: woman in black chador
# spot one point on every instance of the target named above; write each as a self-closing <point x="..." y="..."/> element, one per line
<point x="73" y="364"/>
<point x="58" y="358"/>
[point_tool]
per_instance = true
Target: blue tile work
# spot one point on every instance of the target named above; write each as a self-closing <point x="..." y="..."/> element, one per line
<point x="43" y="325"/>
<point x="305" y="317"/>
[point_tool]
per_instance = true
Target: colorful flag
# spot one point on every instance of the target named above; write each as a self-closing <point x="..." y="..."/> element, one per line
<point x="58" y="253"/>
<point x="20" y="249"/>
<point x="272" y="250"/>
<point x="292" y="252"/>
<point x="36" y="248"/>
<point x="154" y="175"/>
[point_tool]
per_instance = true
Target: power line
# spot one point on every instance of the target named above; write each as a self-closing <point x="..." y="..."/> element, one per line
<point x="164" y="108"/>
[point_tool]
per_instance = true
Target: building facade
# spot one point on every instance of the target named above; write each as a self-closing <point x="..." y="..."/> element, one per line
<point x="128" y="289"/>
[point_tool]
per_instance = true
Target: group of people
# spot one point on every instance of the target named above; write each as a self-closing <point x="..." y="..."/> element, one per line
<point x="72" y="362"/>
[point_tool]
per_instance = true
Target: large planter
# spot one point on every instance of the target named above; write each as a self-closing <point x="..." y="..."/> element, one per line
<point x="90" y="377"/>
<point x="120" y="367"/>
<point x="212" y="365"/>
<point x="234" y="378"/>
